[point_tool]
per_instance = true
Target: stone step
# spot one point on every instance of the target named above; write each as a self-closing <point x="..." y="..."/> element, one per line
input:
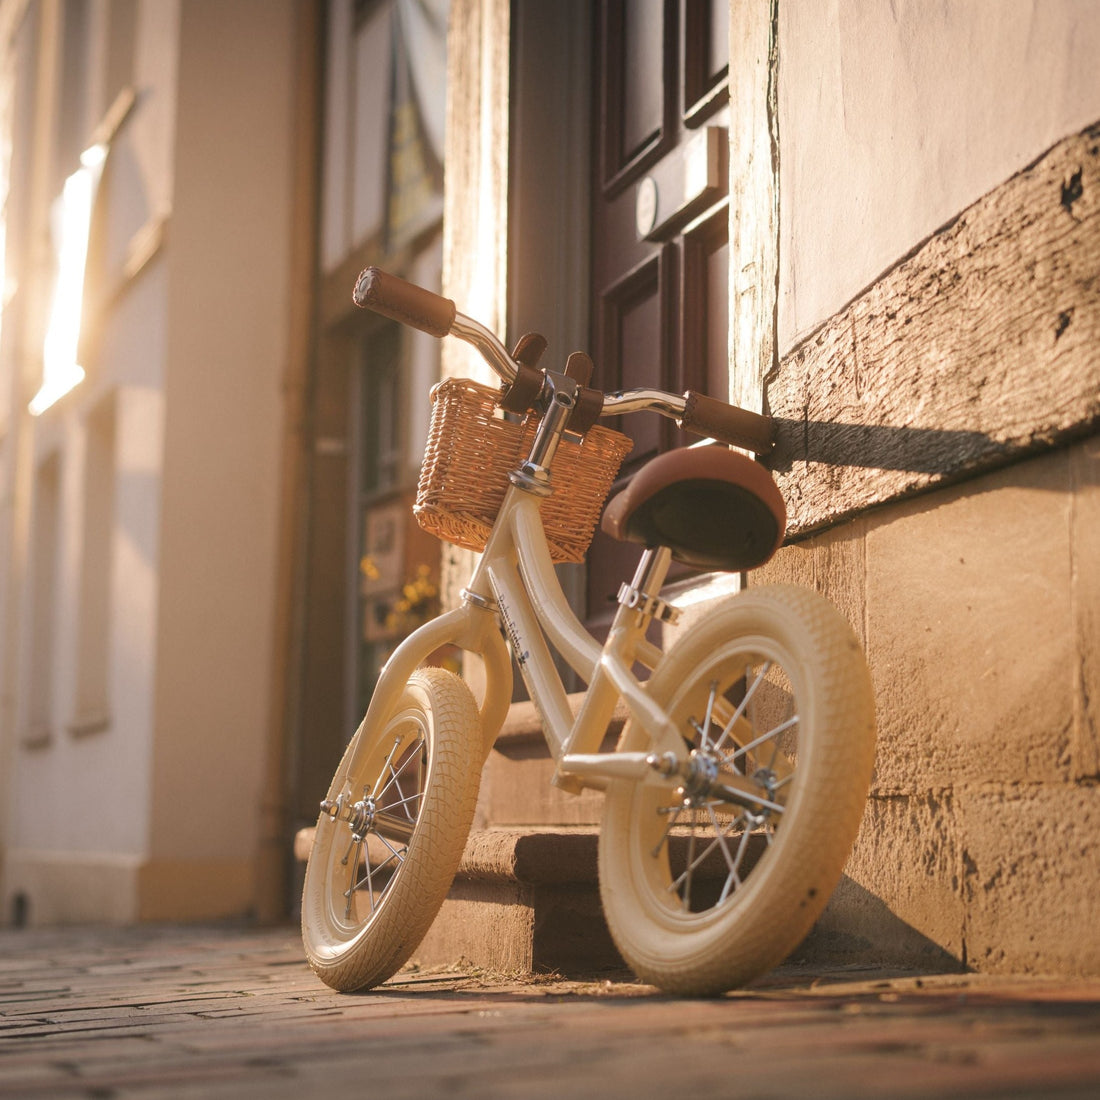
<point x="526" y="896"/>
<point x="516" y="787"/>
<point x="524" y="901"/>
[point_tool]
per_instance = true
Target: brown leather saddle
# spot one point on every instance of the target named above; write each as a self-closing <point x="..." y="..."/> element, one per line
<point x="715" y="509"/>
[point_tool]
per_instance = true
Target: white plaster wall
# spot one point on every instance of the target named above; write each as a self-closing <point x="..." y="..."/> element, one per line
<point x="226" y="356"/>
<point x="98" y="784"/>
<point x="156" y="62"/>
<point x="894" y="117"/>
<point x="88" y="792"/>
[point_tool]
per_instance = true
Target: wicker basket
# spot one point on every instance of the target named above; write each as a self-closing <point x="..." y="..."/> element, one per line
<point x="472" y="449"/>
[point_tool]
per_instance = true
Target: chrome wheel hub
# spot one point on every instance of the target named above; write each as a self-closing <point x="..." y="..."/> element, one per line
<point x="361" y="817"/>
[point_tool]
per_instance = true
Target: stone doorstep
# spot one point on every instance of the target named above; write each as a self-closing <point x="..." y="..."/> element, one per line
<point x="526" y="856"/>
<point x="523" y="901"/>
<point x="526" y="896"/>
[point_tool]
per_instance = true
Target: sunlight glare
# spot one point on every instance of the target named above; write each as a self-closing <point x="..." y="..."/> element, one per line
<point x="60" y="370"/>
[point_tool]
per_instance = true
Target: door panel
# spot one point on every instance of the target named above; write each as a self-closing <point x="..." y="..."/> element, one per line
<point x="659" y="221"/>
<point x="705" y="305"/>
<point x="635" y="322"/>
<point x="706" y="58"/>
<point x="636" y="71"/>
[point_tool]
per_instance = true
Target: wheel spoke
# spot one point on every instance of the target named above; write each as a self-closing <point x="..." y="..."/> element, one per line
<point x="693" y="861"/>
<point x="686" y="896"/>
<point x="734" y="877"/>
<point x="394" y="780"/>
<point x="719" y="837"/>
<point x="711" y="697"/>
<point x="357" y="844"/>
<point x="351" y="844"/>
<point x="389" y="781"/>
<point x="388" y="765"/>
<point x="368" y="879"/>
<point x="731" y="759"/>
<point x="395" y="853"/>
<point x="673" y="816"/>
<point x="404" y="802"/>
<point x="743" y="705"/>
<point x="717" y="737"/>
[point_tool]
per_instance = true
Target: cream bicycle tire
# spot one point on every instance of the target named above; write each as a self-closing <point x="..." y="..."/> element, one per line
<point x="362" y="918"/>
<point x="675" y="926"/>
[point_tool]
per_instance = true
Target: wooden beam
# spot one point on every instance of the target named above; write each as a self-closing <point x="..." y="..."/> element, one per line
<point x="475" y="200"/>
<point x="977" y="348"/>
<point x="754" y="200"/>
<point x="475" y="216"/>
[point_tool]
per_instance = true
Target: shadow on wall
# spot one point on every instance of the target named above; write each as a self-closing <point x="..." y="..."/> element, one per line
<point x="858" y="929"/>
<point x="941" y="452"/>
<point x="917" y="450"/>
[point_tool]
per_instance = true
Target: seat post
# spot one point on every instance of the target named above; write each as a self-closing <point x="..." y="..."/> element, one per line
<point x="652" y="569"/>
<point x="642" y="594"/>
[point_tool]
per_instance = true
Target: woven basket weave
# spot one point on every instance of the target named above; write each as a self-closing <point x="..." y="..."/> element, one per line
<point x="472" y="449"/>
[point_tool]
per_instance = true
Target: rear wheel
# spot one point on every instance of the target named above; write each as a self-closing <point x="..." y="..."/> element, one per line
<point x="715" y="877"/>
<point x="391" y="833"/>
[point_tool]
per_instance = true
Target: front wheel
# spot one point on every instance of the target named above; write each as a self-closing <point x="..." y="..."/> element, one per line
<point x="713" y="878"/>
<point x="391" y="833"/>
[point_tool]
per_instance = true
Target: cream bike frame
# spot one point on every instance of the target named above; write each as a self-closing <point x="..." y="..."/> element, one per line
<point x="514" y="583"/>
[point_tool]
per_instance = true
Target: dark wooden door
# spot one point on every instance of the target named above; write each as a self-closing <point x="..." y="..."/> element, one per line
<point x="659" y="265"/>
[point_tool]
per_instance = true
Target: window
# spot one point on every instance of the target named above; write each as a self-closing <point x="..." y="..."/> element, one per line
<point x="93" y="654"/>
<point x="38" y="727"/>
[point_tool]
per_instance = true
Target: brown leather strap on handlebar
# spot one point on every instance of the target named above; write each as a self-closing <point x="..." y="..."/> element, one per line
<point x="707" y="416"/>
<point x="586" y="411"/>
<point x="579" y="367"/>
<point x="401" y="301"/>
<point x="520" y="394"/>
<point x="589" y="402"/>
<point x="529" y="348"/>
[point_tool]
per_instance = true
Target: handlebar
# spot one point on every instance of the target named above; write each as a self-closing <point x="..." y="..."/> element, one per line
<point x="401" y="301"/>
<point x="412" y="305"/>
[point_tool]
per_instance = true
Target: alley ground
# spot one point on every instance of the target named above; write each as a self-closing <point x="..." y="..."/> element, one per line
<point x="162" y="1012"/>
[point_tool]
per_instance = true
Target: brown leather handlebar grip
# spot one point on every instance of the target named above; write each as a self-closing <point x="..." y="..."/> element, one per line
<point x="401" y="301"/>
<point x="710" y="417"/>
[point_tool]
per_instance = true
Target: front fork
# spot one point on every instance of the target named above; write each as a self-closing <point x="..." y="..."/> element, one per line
<point x="472" y="628"/>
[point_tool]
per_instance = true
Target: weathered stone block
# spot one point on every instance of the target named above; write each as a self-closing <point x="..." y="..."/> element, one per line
<point x="840" y="570"/>
<point x="902" y="892"/>
<point x="791" y="565"/>
<point x="1032" y="883"/>
<point x="1084" y="462"/>
<point x="970" y="632"/>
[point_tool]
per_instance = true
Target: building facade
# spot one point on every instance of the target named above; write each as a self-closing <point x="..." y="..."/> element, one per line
<point x="142" y="472"/>
<point x="905" y="246"/>
<point x="876" y="222"/>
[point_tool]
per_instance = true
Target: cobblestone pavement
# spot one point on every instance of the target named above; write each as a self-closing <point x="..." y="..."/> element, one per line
<point x="206" y="1012"/>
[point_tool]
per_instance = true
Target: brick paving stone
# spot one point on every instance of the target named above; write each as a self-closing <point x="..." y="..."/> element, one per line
<point x="167" y="1012"/>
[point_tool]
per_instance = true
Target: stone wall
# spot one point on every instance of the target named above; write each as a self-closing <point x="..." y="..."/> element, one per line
<point x="978" y="606"/>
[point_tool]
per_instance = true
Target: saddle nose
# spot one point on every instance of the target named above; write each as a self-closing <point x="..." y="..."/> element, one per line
<point x="715" y="509"/>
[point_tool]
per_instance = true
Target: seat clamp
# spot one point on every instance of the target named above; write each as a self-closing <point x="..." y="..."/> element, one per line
<point x="648" y="605"/>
